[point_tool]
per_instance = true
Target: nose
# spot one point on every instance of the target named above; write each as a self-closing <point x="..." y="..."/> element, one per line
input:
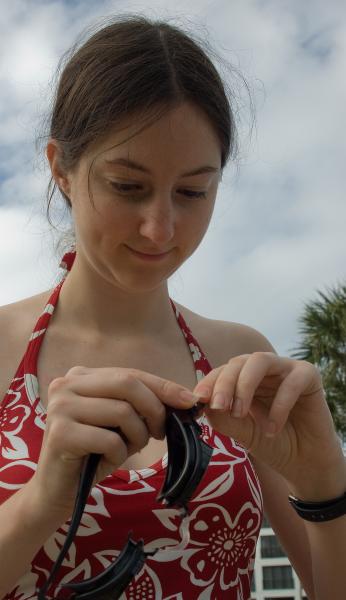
<point x="158" y="221"/>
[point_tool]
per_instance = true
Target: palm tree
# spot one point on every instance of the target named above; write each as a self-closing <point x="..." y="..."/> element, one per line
<point x="323" y="330"/>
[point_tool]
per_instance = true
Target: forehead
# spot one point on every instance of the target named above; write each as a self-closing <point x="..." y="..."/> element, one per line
<point x="180" y="134"/>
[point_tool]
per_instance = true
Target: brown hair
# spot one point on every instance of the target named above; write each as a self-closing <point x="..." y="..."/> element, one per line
<point x="133" y="65"/>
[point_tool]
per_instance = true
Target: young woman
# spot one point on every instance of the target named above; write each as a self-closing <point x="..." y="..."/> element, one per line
<point x="141" y="130"/>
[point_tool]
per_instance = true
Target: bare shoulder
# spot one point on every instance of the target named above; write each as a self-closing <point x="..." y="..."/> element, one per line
<point x="21" y="312"/>
<point x="221" y="340"/>
<point x="17" y="321"/>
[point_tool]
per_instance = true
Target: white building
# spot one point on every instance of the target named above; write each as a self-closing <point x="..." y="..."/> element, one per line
<point x="274" y="578"/>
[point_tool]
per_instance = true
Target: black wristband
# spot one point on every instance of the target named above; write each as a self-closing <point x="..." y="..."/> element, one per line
<point x="320" y="511"/>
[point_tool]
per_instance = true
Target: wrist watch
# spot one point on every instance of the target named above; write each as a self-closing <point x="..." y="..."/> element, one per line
<point x="326" y="510"/>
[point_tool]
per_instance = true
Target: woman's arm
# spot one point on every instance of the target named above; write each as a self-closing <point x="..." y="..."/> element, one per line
<point x="327" y="539"/>
<point x="328" y="544"/>
<point x="289" y="528"/>
<point x="25" y="525"/>
<point x="304" y="451"/>
<point x="316" y="550"/>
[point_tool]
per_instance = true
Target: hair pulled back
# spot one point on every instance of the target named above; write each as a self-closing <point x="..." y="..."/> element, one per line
<point x="133" y="65"/>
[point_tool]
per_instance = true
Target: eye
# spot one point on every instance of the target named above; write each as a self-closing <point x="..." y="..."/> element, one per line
<point x="129" y="188"/>
<point x="193" y="194"/>
<point x="124" y="188"/>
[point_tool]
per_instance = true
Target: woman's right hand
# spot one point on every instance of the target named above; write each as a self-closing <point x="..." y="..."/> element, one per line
<point x="81" y="406"/>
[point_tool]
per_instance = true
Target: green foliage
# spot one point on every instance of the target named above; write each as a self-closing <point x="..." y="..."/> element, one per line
<point x="323" y="331"/>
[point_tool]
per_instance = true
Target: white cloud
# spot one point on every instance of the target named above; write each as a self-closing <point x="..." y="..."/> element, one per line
<point x="26" y="261"/>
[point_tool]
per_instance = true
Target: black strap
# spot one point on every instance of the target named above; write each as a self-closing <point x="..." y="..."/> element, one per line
<point x="85" y="483"/>
<point x="320" y="511"/>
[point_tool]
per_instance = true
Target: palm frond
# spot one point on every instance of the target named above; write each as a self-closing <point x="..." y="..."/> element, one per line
<point x="322" y="327"/>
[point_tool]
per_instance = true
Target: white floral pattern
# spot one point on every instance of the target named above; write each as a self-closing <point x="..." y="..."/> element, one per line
<point x="222" y="555"/>
<point x="195" y="352"/>
<point x="208" y="556"/>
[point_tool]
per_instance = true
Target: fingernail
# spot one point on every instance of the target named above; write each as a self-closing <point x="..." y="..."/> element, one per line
<point x="271" y="429"/>
<point x="218" y="401"/>
<point x="237" y="408"/>
<point x="203" y="393"/>
<point x="189" y="397"/>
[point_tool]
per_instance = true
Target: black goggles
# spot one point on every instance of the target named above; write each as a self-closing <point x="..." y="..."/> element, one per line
<point x="188" y="459"/>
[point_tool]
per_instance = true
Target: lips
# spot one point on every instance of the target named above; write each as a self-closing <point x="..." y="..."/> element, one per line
<point x="149" y="252"/>
<point x="149" y="255"/>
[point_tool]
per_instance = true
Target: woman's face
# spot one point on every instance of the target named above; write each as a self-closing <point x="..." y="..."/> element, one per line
<point x="152" y="194"/>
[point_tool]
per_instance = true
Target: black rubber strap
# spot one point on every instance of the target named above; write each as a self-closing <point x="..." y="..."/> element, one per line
<point x="320" y="511"/>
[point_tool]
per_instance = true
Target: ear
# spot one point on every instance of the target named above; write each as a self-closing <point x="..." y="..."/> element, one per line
<point x="53" y="153"/>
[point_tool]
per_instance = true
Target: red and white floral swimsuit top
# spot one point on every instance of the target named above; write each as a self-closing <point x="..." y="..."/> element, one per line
<point x="214" y="561"/>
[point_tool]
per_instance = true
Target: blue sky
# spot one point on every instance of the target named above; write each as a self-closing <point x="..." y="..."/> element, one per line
<point x="278" y="232"/>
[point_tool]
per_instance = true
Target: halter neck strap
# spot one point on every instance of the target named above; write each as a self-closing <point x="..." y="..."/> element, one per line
<point x="68" y="259"/>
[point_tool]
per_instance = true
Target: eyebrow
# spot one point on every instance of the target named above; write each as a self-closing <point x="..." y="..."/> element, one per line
<point x="130" y="164"/>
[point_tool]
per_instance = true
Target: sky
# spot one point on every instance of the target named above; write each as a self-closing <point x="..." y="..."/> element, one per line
<point x="278" y="231"/>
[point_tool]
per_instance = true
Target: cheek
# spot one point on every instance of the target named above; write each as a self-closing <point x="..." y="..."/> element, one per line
<point x="205" y="217"/>
<point x="196" y="226"/>
<point x="107" y="216"/>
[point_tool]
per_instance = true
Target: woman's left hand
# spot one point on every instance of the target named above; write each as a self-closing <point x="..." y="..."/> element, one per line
<point x="276" y="408"/>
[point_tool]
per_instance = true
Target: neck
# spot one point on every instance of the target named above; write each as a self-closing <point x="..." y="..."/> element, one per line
<point x="91" y="304"/>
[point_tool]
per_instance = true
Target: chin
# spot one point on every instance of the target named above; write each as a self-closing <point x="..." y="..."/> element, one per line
<point x="139" y="284"/>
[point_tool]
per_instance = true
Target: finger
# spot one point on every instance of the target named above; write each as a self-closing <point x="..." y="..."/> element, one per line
<point x="170" y="393"/>
<point x="225" y="384"/>
<point x="204" y="390"/>
<point x="257" y="366"/>
<point x="107" y="380"/>
<point x="133" y="399"/>
<point x="77" y="440"/>
<point x="118" y="414"/>
<point x="287" y="396"/>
